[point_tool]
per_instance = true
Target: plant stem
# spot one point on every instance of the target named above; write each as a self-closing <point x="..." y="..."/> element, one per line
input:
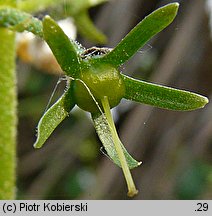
<point x="130" y="183"/>
<point x="8" y="120"/>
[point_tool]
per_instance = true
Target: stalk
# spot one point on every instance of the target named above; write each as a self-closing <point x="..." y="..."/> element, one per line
<point x="132" y="191"/>
<point x="8" y="120"/>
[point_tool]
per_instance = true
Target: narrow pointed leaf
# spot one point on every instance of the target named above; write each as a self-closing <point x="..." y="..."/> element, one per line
<point x="103" y="131"/>
<point x="64" y="49"/>
<point x="53" y="117"/>
<point x="20" y="21"/>
<point x="161" y="96"/>
<point x="140" y="34"/>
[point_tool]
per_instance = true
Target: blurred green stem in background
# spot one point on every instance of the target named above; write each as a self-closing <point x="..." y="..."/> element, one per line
<point x="78" y="10"/>
<point x="8" y="119"/>
<point x="18" y="21"/>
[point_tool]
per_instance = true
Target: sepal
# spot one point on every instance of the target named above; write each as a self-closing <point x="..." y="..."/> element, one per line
<point x="53" y="117"/>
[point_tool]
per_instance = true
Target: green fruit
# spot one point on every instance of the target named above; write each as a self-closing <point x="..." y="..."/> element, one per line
<point x="101" y="80"/>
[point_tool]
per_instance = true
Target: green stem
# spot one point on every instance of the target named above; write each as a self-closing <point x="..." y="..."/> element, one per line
<point x="130" y="183"/>
<point x="86" y="27"/>
<point x="7" y="114"/>
<point x="8" y="102"/>
<point x="32" y="6"/>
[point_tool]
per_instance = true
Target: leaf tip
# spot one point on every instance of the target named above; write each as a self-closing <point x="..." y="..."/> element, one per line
<point x="36" y="146"/>
<point x="47" y="21"/>
<point x="174" y="5"/>
<point x="37" y="143"/>
<point x="197" y="102"/>
<point x="46" y="17"/>
<point x="204" y="101"/>
<point x="139" y="163"/>
<point x="172" y="9"/>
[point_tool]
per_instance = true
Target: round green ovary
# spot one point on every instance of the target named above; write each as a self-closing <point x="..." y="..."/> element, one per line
<point x="102" y="81"/>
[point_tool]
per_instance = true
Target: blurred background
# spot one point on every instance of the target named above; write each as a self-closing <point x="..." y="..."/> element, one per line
<point x="175" y="147"/>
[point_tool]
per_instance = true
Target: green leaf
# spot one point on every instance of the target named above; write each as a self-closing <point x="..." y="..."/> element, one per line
<point x="64" y="49"/>
<point x="53" y="117"/>
<point x="161" y="96"/>
<point x="140" y="34"/>
<point x="19" y="21"/>
<point x="104" y="133"/>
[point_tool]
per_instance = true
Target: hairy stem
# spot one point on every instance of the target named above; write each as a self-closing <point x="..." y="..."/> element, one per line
<point x="130" y="183"/>
<point x="8" y="120"/>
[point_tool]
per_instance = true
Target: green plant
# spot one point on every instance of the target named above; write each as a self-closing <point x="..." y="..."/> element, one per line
<point x="95" y="84"/>
<point x="78" y="10"/>
<point x="16" y="20"/>
<point x="8" y="101"/>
